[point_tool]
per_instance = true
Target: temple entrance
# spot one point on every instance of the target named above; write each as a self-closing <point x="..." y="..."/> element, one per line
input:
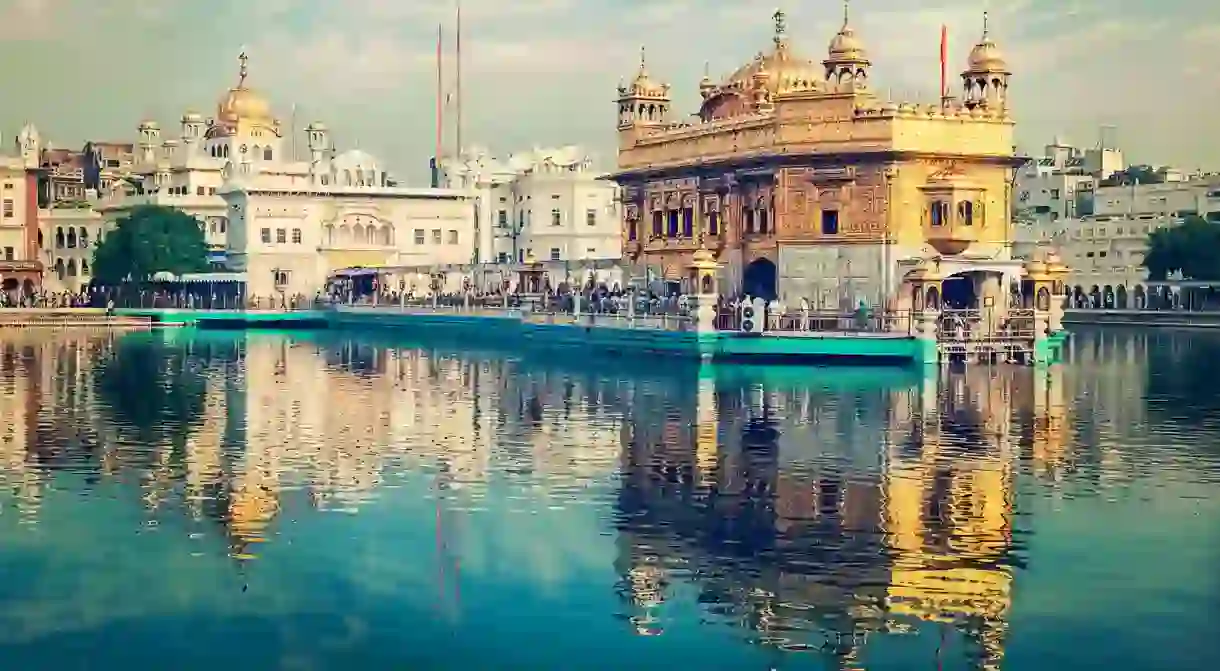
<point x="760" y="280"/>
<point x="958" y="292"/>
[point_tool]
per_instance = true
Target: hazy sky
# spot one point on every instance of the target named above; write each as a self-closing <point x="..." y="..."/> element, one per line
<point x="543" y="72"/>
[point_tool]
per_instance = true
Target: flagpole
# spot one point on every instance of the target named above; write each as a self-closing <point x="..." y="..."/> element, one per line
<point x="458" y="72"/>
<point x="292" y="121"/>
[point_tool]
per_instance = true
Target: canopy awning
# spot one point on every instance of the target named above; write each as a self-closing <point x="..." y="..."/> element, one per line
<point x="212" y="277"/>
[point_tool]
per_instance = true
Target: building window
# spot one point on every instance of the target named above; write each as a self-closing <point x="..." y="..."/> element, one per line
<point x="591" y="217"/>
<point x="632" y="233"/>
<point x="830" y="222"/>
<point x="688" y="222"/>
<point x="199" y="191"/>
<point x="419" y="236"/>
<point x="436" y="236"/>
<point x="590" y="252"/>
<point x="8" y="253"/>
<point x="281" y="278"/>
<point x="281" y="235"/>
<point x="747" y="220"/>
<point x="502" y="218"/>
<point x="556" y="217"/>
<point x="7" y="212"/>
<point x="554" y="253"/>
<point x="453" y="237"/>
<point x="265" y="235"/>
<point x="296" y="236"/>
<point x="671" y="227"/>
<point x="267" y="154"/>
<point x="658" y="223"/>
<point x="939" y="213"/>
<point x="965" y="213"/>
<point x="713" y="223"/>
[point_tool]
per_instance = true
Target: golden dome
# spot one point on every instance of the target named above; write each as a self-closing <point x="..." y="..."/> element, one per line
<point x="244" y="104"/>
<point x="779" y="71"/>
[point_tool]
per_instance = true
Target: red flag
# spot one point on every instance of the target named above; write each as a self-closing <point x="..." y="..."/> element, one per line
<point x="944" y="59"/>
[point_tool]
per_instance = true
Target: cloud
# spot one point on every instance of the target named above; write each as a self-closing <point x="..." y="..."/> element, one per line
<point x="544" y="71"/>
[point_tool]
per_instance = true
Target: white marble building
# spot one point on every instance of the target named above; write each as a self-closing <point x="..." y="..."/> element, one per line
<point x="547" y="203"/>
<point x="289" y="223"/>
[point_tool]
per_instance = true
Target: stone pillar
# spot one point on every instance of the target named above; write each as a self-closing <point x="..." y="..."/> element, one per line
<point x="702" y="273"/>
<point x="993" y="302"/>
<point x="1044" y="301"/>
<point x="923" y="285"/>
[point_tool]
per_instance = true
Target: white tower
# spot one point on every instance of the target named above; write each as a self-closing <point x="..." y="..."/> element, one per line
<point x="317" y="136"/>
<point x="192" y="131"/>
<point x="29" y="145"/>
<point x="150" y="135"/>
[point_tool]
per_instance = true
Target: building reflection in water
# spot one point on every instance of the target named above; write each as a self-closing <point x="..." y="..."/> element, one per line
<point x="768" y="498"/>
<point x="811" y="510"/>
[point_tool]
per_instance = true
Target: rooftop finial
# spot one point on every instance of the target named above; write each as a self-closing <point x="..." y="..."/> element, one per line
<point x="846" y="12"/>
<point x="642" y="59"/>
<point x="243" y="71"/>
<point x="985" y="27"/>
<point x="781" y="26"/>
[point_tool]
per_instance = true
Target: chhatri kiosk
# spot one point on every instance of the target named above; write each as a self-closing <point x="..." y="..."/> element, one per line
<point x="805" y="187"/>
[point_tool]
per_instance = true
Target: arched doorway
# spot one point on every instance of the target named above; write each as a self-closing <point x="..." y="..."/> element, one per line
<point x="958" y="292"/>
<point x="1141" y="297"/>
<point x="760" y="279"/>
<point x="1120" y="297"/>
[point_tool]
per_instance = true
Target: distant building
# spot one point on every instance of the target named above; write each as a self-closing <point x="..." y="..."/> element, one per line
<point x="547" y="203"/>
<point x="286" y="223"/>
<point x="20" y="268"/>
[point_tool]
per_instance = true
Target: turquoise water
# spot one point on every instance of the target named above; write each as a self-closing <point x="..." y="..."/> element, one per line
<point x="314" y="501"/>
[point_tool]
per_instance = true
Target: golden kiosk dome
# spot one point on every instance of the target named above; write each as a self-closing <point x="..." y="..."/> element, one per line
<point x="986" y="56"/>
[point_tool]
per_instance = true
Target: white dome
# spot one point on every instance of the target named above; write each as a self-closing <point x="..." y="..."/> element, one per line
<point x="356" y="159"/>
<point x="357" y="168"/>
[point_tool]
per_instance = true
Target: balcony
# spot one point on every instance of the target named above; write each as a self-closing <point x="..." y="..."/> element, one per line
<point x="952" y="216"/>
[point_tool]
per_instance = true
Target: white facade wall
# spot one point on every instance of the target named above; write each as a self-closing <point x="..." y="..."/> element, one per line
<point x="291" y="241"/>
<point x="549" y="203"/>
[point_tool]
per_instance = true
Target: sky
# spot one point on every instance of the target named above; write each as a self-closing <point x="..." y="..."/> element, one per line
<point x="544" y="72"/>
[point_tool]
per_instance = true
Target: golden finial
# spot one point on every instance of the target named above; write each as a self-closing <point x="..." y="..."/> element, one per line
<point x="243" y="71"/>
<point x="985" y="28"/>
<point x="781" y="26"/>
<point x="846" y="12"/>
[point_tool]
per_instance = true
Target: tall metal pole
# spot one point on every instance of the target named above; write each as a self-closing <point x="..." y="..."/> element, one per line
<point x="440" y="96"/>
<point x="458" y="72"/>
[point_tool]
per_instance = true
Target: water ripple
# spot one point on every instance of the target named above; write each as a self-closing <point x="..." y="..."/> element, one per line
<point x="321" y="498"/>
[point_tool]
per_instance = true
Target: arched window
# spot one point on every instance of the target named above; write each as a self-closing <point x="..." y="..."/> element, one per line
<point x="83" y="237"/>
<point x="267" y="156"/>
<point x="40" y="240"/>
<point x="59" y="237"/>
<point x="84" y="267"/>
<point x="347" y="178"/>
<point x="59" y="268"/>
<point x="71" y="238"/>
<point x="71" y="271"/>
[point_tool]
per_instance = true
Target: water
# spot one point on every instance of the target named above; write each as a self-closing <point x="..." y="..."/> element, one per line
<point x="314" y="501"/>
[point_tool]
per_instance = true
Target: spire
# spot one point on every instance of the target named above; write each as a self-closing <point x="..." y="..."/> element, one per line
<point x="643" y="61"/>
<point x="986" y="30"/>
<point x="781" y="27"/>
<point x="846" y="13"/>
<point x="243" y="71"/>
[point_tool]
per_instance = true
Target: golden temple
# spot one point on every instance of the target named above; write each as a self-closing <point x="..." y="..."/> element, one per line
<point x="805" y="184"/>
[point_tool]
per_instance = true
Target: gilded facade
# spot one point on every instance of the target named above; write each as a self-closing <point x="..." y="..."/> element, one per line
<point x="804" y="183"/>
